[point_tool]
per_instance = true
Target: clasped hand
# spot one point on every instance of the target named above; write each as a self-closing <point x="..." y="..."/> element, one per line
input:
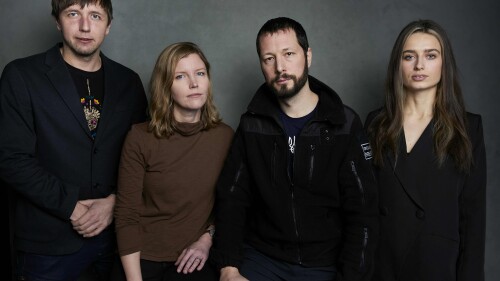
<point x="91" y="217"/>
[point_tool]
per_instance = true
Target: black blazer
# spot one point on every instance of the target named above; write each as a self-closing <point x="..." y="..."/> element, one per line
<point x="47" y="155"/>
<point x="432" y="219"/>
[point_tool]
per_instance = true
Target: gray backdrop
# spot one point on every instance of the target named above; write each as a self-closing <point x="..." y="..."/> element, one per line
<point x="350" y="41"/>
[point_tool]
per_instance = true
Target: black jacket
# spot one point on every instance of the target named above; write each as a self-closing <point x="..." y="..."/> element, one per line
<point x="432" y="219"/>
<point x="47" y="155"/>
<point x="325" y="216"/>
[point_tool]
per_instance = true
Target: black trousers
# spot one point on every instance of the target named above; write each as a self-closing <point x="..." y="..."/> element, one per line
<point x="259" y="267"/>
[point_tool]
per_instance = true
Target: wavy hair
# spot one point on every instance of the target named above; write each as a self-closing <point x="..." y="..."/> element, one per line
<point x="161" y="106"/>
<point x="449" y="123"/>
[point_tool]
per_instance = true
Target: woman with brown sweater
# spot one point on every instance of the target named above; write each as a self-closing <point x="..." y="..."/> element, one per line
<point x="168" y="171"/>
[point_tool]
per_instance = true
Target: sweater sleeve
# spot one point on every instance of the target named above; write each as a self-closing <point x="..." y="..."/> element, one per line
<point x="129" y="193"/>
<point x="473" y="211"/>
<point x="359" y="207"/>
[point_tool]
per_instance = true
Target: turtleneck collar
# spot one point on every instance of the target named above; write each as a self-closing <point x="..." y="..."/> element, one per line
<point x="188" y="129"/>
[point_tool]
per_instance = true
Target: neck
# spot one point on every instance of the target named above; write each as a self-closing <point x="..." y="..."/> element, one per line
<point x="88" y="63"/>
<point x="420" y="103"/>
<point x="186" y="116"/>
<point x="301" y="104"/>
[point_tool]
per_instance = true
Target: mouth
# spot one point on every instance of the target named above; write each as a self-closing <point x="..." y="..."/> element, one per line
<point x="84" y="40"/>
<point x="282" y="79"/>
<point x="197" y="95"/>
<point x="418" y="77"/>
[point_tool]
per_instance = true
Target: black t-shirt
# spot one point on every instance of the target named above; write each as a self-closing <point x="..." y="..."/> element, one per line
<point x="293" y="127"/>
<point x="90" y="87"/>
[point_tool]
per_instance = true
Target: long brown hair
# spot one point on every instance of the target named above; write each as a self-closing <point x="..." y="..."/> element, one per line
<point x="161" y="106"/>
<point x="449" y="122"/>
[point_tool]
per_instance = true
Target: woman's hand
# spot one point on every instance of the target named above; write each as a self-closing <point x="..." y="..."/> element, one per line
<point x="195" y="256"/>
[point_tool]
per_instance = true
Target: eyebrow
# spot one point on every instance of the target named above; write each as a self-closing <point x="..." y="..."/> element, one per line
<point x="425" y="51"/>
<point x="187" y="71"/>
<point x="287" y="49"/>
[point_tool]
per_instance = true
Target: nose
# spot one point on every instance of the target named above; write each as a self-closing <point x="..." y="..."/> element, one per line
<point x="419" y="64"/>
<point x="84" y="24"/>
<point x="280" y="65"/>
<point x="193" y="83"/>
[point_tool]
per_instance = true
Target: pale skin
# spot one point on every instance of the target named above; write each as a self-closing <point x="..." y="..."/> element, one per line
<point x="281" y="53"/>
<point x="189" y="93"/>
<point x="421" y="64"/>
<point x="83" y="31"/>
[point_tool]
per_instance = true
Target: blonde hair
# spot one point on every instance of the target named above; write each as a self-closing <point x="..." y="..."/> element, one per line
<point x="163" y="123"/>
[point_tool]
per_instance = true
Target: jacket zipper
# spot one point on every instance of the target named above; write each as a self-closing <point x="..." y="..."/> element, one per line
<point x="299" y="258"/>
<point x="365" y="244"/>
<point x="274" y="162"/>
<point x="236" y="177"/>
<point x="311" y="164"/>
<point x="358" y="180"/>
<point x="294" y="215"/>
<point x="365" y="229"/>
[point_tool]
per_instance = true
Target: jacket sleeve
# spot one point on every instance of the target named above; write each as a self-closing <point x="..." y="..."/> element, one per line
<point x="359" y="197"/>
<point x="19" y="166"/>
<point x="231" y="204"/>
<point x="473" y="212"/>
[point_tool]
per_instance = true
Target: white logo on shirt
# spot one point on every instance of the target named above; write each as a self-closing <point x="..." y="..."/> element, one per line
<point x="291" y="144"/>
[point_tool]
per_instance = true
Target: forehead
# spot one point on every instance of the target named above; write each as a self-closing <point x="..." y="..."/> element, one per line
<point x="89" y="6"/>
<point x="191" y="61"/>
<point x="422" y="41"/>
<point x="282" y="39"/>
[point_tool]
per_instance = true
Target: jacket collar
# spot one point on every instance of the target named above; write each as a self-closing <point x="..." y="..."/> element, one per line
<point x="422" y="160"/>
<point x="61" y="79"/>
<point x="330" y="107"/>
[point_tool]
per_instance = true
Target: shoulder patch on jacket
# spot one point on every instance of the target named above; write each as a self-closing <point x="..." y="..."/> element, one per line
<point x="367" y="150"/>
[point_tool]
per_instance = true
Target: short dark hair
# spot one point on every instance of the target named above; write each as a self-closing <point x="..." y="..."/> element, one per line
<point x="282" y="23"/>
<point x="60" y="5"/>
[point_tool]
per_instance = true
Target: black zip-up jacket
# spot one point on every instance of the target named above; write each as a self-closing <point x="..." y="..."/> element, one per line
<point x="326" y="215"/>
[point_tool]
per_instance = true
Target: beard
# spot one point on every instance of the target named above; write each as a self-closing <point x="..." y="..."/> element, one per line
<point x="298" y="83"/>
<point x="79" y="52"/>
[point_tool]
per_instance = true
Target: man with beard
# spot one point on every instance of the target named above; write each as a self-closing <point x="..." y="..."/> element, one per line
<point x="296" y="199"/>
<point x="64" y="114"/>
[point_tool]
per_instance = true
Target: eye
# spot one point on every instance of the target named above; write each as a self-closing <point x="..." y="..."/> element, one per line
<point x="95" y="16"/>
<point x="200" y="73"/>
<point x="288" y="54"/>
<point x="72" y="14"/>
<point x="268" y="59"/>
<point x="408" y="57"/>
<point x="178" y="77"/>
<point x="431" y="56"/>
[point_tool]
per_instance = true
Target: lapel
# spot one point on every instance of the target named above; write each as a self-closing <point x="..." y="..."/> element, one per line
<point x="111" y="96"/>
<point x="60" y="78"/>
<point x="406" y="177"/>
<point x="412" y="170"/>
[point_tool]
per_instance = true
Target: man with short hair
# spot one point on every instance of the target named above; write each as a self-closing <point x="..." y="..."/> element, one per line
<point x="296" y="199"/>
<point x="64" y="114"/>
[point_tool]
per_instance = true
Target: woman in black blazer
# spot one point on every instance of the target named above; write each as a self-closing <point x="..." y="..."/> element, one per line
<point x="430" y="162"/>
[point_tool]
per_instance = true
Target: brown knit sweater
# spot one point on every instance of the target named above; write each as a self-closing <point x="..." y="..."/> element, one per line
<point x="166" y="188"/>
